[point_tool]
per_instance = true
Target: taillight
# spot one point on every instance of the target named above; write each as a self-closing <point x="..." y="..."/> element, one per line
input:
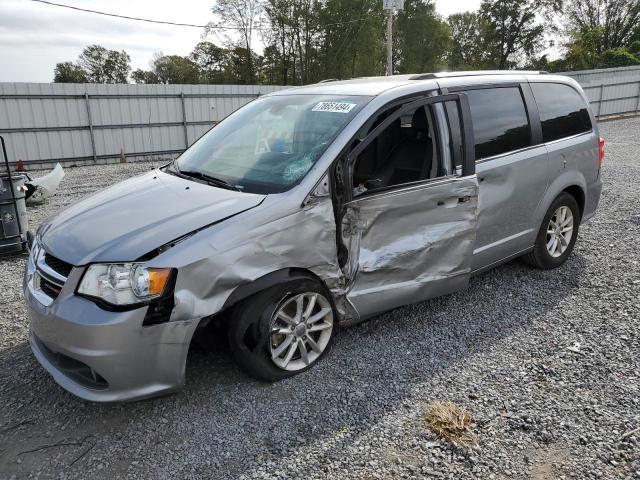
<point x="600" y="151"/>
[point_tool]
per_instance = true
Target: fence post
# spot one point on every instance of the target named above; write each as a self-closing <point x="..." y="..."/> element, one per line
<point x="93" y="140"/>
<point x="600" y="101"/>
<point x="184" y="121"/>
<point x="638" y="104"/>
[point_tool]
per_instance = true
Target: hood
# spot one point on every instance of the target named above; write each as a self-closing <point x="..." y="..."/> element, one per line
<point x="132" y="218"/>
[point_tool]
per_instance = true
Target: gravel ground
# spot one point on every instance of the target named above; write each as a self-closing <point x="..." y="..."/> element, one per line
<point x="548" y="364"/>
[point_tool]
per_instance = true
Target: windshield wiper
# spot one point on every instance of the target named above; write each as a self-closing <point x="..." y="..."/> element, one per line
<point x="214" y="181"/>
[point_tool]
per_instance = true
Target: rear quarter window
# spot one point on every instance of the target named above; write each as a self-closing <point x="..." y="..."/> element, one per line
<point x="563" y="112"/>
<point x="500" y="122"/>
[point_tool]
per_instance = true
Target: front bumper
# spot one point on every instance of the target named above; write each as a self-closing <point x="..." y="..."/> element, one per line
<point x="105" y="356"/>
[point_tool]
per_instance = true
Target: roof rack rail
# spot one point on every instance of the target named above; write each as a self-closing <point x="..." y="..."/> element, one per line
<point x="475" y="73"/>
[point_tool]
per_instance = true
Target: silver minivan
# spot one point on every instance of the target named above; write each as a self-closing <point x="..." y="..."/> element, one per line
<point x="305" y="210"/>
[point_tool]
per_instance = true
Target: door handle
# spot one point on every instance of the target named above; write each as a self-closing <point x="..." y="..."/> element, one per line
<point x="451" y="202"/>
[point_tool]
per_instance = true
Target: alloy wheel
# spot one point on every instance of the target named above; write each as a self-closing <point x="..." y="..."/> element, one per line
<point x="300" y="331"/>
<point x="559" y="231"/>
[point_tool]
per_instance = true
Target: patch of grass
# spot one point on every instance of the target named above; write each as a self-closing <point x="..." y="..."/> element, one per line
<point x="451" y="423"/>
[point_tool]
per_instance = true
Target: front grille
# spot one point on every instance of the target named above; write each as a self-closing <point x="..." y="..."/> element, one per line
<point x="60" y="267"/>
<point x="51" y="275"/>
<point x="49" y="288"/>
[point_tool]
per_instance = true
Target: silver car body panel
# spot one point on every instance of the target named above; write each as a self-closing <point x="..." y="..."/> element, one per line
<point x="136" y="362"/>
<point x="404" y="245"/>
<point x="412" y="244"/>
<point x="511" y="186"/>
<point x="129" y="219"/>
<point x="249" y="247"/>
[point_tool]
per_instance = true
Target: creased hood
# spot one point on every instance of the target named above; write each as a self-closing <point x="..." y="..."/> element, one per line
<point x="131" y="218"/>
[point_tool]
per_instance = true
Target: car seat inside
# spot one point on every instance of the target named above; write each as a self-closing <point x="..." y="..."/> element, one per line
<point x="402" y="153"/>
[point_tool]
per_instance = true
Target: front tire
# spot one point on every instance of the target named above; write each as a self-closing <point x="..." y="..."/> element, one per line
<point x="283" y="330"/>
<point x="557" y="234"/>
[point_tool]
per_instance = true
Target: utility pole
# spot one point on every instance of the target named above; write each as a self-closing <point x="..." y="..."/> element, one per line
<point x="390" y="41"/>
<point x="390" y="6"/>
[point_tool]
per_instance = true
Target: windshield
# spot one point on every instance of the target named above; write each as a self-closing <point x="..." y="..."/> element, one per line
<point x="269" y="145"/>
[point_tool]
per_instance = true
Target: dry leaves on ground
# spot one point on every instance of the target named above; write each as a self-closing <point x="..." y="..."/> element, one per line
<point x="451" y="423"/>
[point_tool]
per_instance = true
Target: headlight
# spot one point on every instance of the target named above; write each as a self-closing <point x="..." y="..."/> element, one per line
<point x="124" y="283"/>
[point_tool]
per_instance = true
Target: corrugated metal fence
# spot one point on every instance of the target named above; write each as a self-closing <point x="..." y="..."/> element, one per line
<point x="611" y="91"/>
<point x="79" y="124"/>
<point x="86" y="123"/>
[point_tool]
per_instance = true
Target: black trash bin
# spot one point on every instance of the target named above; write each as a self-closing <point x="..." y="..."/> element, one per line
<point x="13" y="209"/>
<point x="13" y="228"/>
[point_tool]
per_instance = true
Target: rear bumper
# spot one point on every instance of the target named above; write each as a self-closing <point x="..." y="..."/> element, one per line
<point x="592" y="199"/>
<point x="105" y="356"/>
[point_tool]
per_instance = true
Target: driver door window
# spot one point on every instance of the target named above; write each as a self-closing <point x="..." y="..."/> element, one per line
<point x="406" y="151"/>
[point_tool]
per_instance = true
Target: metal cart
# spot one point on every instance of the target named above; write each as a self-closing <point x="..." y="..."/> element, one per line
<point x="13" y="209"/>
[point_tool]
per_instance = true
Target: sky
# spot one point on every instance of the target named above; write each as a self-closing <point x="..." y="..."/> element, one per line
<point x="34" y="36"/>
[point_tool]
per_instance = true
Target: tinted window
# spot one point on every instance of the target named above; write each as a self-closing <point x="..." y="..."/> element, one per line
<point x="563" y="112"/>
<point x="500" y="122"/>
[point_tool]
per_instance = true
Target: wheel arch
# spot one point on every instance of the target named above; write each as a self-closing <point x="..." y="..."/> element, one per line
<point x="577" y="192"/>
<point x="284" y="275"/>
<point x="243" y="291"/>
<point x="571" y="182"/>
<point x="539" y="256"/>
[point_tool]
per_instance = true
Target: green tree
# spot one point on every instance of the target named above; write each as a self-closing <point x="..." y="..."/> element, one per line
<point x="105" y="66"/>
<point x="583" y="51"/>
<point x="467" y="46"/>
<point x="311" y="40"/>
<point x="618" y="20"/>
<point x="144" y="76"/>
<point x="422" y="38"/>
<point x="617" y="57"/>
<point x="279" y="39"/>
<point x="350" y="39"/>
<point x="270" y="66"/>
<point x="211" y="61"/>
<point x="242" y="16"/>
<point x="237" y="67"/>
<point x="583" y="48"/>
<point x="69" y="72"/>
<point x="513" y="32"/>
<point x="302" y="31"/>
<point x="176" y="70"/>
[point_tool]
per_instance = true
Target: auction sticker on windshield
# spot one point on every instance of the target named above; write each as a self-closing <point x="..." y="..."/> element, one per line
<point x="333" y="107"/>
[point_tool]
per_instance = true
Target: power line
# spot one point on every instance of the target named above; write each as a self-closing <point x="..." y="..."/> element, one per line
<point x="138" y="19"/>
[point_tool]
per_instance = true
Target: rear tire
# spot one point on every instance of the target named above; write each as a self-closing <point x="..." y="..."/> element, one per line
<point x="557" y="234"/>
<point x="283" y="330"/>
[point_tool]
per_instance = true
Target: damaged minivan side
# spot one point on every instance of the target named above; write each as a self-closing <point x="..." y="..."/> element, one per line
<point x="411" y="200"/>
<point x="304" y="211"/>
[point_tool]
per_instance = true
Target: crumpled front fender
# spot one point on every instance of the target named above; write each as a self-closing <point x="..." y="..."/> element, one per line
<point x="214" y="263"/>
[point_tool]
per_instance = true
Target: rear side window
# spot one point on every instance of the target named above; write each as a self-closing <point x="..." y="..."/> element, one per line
<point x="500" y="122"/>
<point x="563" y="112"/>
